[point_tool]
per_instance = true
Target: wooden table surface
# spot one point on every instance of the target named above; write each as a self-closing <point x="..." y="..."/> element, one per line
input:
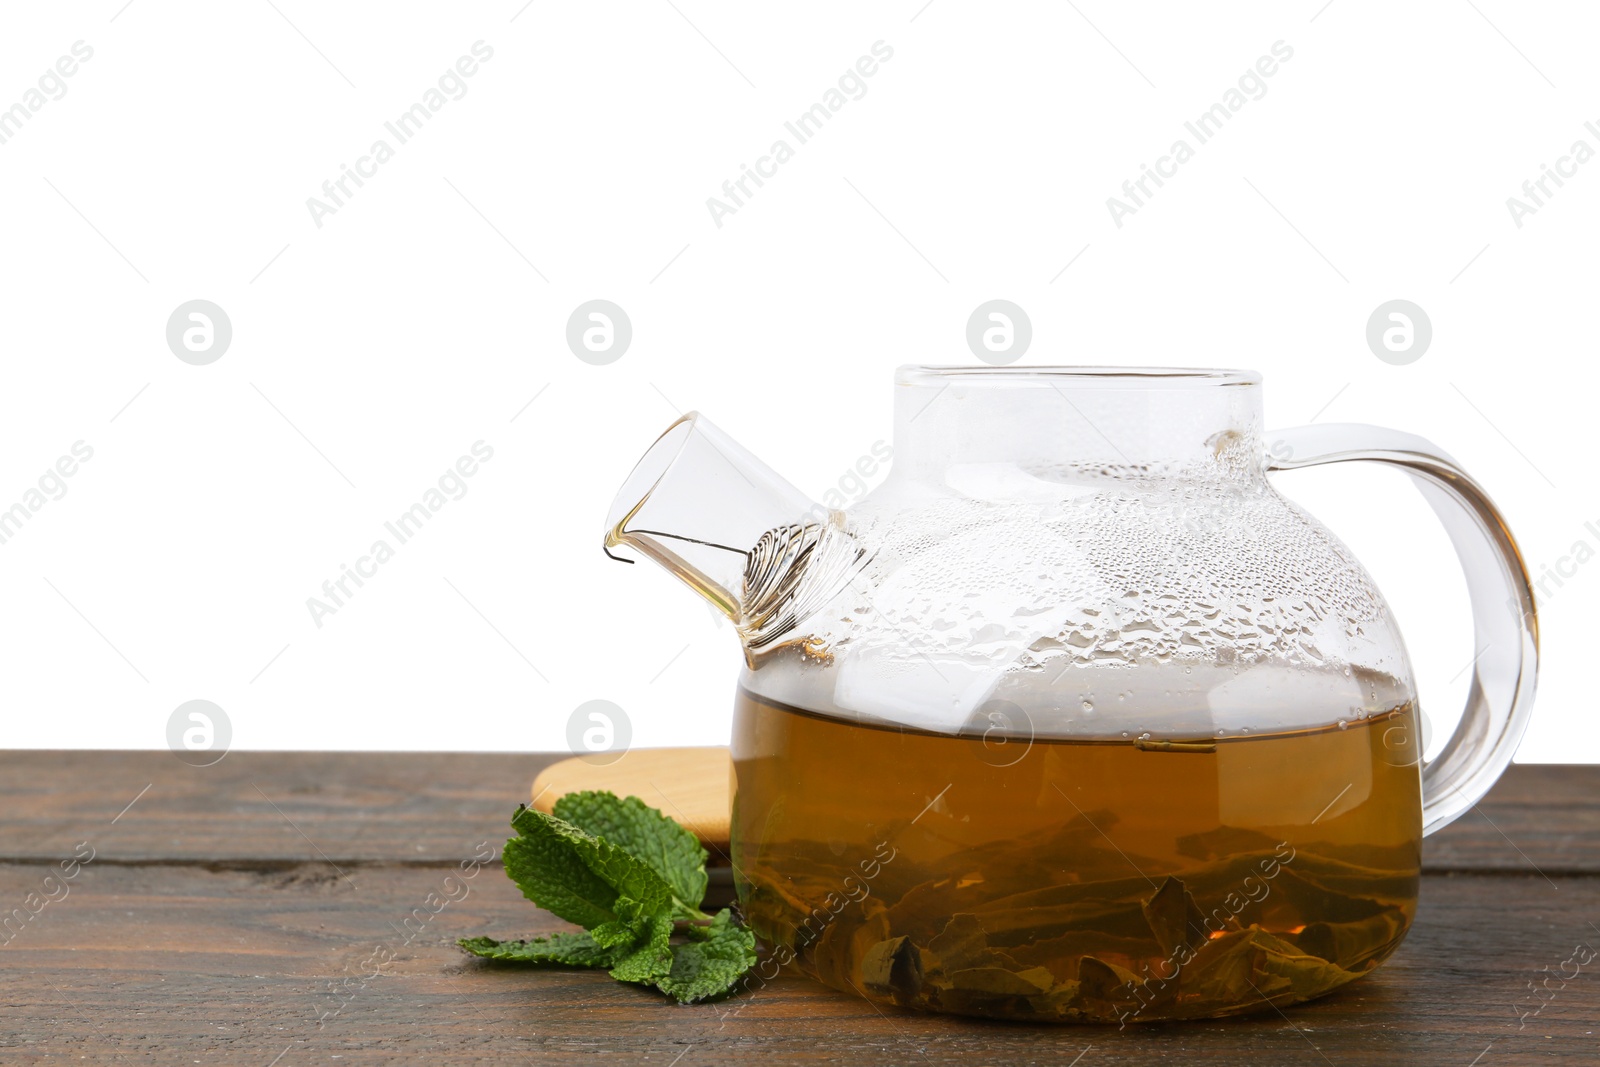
<point x="290" y="908"/>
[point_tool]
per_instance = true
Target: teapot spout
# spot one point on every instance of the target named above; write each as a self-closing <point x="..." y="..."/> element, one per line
<point x="732" y="529"/>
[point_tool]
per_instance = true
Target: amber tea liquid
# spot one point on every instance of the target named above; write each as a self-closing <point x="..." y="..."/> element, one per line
<point x="1116" y="880"/>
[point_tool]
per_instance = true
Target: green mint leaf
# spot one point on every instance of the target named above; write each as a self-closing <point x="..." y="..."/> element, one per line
<point x="651" y="958"/>
<point x="586" y="871"/>
<point x="575" y="949"/>
<point x="641" y="892"/>
<point x="710" y="967"/>
<point x="581" y="878"/>
<point x="620" y="932"/>
<point x="550" y="872"/>
<point x="671" y="851"/>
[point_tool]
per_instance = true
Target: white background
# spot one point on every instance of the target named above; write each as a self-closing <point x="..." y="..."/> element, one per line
<point x="428" y="311"/>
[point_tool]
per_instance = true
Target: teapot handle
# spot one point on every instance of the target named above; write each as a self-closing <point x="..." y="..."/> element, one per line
<point x="1504" y="617"/>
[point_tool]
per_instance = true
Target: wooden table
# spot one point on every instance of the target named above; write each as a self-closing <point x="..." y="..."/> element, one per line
<point x="287" y="909"/>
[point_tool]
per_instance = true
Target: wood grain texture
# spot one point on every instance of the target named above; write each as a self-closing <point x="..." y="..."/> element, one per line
<point x="422" y="807"/>
<point x="213" y="926"/>
<point x="239" y="965"/>
<point x="261" y="806"/>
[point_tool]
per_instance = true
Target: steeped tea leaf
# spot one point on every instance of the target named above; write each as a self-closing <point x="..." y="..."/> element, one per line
<point x="893" y="967"/>
<point x="1144" y="883"/>
<point x="962" y="944"/>
<point x="1254" y="962"/>
<point x="998" y="981"/>
<point x="1060" y="1003"/>
<point x="1224" y="842"/>
<point x="1104" y="981"/>
<point x="1352" y="944"/>
<point x="1288" y="970"/>
<point x="1174" y="918"/>
<point x="1223" y="969"/>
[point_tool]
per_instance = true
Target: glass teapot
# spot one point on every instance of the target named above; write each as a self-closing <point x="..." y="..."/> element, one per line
<point x="1075" y="717"/>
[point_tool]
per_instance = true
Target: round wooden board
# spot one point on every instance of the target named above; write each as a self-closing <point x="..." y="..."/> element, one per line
<point x="692" y="785"/>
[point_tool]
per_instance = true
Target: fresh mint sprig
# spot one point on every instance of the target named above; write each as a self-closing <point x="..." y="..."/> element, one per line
<point x="634" y="880"/>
